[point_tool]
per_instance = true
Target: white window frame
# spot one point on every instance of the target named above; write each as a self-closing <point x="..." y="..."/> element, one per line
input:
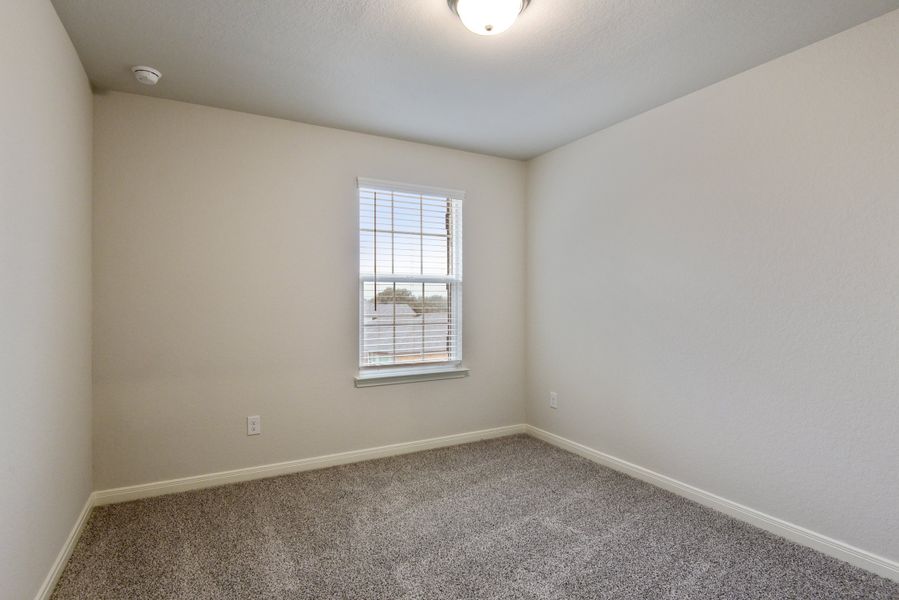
<point x="392" y="374"/>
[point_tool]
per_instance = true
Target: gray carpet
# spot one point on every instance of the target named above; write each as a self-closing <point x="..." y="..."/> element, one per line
<point x="507" y="518"/>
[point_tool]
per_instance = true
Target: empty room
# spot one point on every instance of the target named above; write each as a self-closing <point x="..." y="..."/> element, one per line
<point x="449" y="299"/>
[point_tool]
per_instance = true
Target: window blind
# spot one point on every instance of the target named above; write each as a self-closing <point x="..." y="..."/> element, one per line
<point x="410" y="275"/>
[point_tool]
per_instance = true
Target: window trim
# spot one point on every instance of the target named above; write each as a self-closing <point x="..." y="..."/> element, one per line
<point x="392" y="374"/>
<point x="407" y="188"/>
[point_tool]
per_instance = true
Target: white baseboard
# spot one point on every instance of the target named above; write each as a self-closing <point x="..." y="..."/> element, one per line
<point x="49" y="584"/>
<point x="171" y="486"/>
<point x="855" y="556"/>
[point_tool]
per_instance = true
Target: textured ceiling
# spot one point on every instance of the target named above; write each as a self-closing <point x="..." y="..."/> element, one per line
<point x="409" y="69"/>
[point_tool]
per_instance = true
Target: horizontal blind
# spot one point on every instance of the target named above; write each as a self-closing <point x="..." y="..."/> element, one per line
<point x="410" y="276"/>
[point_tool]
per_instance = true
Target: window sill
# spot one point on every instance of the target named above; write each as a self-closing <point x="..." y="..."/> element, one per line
<point x="410" y="375"/>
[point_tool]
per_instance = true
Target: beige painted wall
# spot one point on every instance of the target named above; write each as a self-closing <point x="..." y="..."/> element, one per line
<point x="713" y="288"/>
<point x="45" y="292"/>
<point x="225" y="258"/>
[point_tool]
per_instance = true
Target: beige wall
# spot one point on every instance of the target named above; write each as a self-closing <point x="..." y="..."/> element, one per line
<point x="713" y="288"/>
<point x="225" y="258"/>
<point x="45" y="292"/>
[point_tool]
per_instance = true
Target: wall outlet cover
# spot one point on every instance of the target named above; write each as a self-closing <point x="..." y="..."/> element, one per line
<point x="254" y="425"/>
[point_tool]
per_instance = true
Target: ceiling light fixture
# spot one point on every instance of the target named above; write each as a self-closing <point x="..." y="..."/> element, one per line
<point x="488" y="17"/>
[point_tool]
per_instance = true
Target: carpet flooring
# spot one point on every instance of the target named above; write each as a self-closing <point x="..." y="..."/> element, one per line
<point x="506" y="518"/>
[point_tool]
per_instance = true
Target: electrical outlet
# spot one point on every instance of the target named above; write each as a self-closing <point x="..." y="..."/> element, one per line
<point x="254" y="425"/>
<point x="553" y="400"/>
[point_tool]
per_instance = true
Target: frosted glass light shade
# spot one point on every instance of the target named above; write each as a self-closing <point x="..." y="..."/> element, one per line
<point x="488" y="17"/>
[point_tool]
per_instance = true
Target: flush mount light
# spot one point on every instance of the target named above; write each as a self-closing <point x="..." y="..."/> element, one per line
<point x="488" y="17"/>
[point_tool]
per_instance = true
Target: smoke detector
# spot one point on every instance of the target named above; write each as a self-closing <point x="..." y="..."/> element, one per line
<point x="146" y="75"/>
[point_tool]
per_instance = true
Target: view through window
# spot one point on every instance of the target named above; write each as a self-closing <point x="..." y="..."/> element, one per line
<point x="410" y="276"/>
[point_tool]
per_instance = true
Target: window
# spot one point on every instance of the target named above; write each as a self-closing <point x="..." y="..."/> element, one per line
<point x="410" y="283"/>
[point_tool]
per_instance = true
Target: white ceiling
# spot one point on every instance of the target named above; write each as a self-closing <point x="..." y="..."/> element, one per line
<point x="409" y="69"/>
